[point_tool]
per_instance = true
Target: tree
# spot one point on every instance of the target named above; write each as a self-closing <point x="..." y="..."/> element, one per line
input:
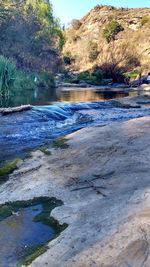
<point x="30" y="34"/>
<point x="8" y="7"/>
<point x="111" y="30"/>
<point x="116" y="59"/>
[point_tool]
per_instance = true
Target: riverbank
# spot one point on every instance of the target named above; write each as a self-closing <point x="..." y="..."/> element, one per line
<point x="102" y="177"/>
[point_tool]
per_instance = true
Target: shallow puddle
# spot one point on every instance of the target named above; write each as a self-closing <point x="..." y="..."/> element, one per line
<point x="25" y="227"/>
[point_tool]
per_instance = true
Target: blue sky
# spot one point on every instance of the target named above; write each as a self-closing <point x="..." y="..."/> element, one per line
<point x="67" y="10"/>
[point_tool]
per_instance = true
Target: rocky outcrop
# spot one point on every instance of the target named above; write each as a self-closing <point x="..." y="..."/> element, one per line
<point x="136" y="24"/>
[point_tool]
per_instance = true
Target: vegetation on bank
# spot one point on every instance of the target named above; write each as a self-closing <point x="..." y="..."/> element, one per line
<point x="111" y="30"/>
<point x="94" y="76"/>
<point x="13" y="80"/>
<point x="30" y="34"/>
<point x="115" y="61"/>
<point x="30" y="47"/>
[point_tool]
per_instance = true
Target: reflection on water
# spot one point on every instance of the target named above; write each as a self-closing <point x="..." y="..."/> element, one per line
<point x="44" y="97"/>
<point x="33" y="97"/>
<point x="91" y="95"/>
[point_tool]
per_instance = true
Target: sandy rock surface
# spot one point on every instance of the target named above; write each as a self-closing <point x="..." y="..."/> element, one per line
<point x="103" y="177"/>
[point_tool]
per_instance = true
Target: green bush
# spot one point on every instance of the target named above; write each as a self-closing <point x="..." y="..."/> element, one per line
<point x="84" y="75"/>
<point x="94" y="76"/>
<point x="46" y="80"/>
<point x="97" y="73"/>
<point x="7" y="76"/>
<point x="24" y="81"/>
<point x="111" y="30"/>
<point x="132" y="74"/>
<point x="31" y="81"/>
<point x="31" y="34"/>
<point x="13" y="81"/>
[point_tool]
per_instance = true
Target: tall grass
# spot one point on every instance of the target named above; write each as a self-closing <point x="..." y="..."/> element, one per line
<point x="7" y="76"/>
<point x="14" y="82"/>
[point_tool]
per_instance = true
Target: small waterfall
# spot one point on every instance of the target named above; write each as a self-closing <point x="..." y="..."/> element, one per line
<point x="23" y="131"/>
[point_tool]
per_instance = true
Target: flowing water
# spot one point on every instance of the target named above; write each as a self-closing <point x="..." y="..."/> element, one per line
<point x="73" y="110"/>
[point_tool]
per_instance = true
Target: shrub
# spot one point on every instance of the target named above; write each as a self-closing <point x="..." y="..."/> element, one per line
<point x="76" y="24"/>
<point x="46" y="80"/>
<point x="111" y="72"/>
<point x="7" y="75"/>
<point x="93" y="51"/>
<point x="132" y="74"/>
<point x="118" y="59"/>
<point x="97" y="73"/>
<point x="111" y="30"/>
<point x="14" y="81"/>
<point x="93" y="76"/>
<point x="72" y="35"/>
<point x="24" y="81"/>
<point x="68" y="58"/>
<point x="31" y="81"/>
<point x="144" y="20"/>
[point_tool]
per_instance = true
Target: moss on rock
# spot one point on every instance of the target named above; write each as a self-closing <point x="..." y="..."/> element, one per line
<point x="45" y="150"/>
<point x="60" y="143"/>
<point x="7" y="168"/>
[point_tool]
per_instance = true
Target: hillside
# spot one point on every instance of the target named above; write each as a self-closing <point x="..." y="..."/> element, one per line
<point x="86" y="45"/>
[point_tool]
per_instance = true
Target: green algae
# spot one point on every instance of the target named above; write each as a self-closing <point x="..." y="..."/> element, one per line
<point x="60" y="143"/>
<point x="32" y="253"/>
<point x="45" y="150"/>
<point x="7" y="168"/>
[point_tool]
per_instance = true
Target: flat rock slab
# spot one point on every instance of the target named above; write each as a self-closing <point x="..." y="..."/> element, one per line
<point x="103" y="179"/>
<point x="133" y="102"/>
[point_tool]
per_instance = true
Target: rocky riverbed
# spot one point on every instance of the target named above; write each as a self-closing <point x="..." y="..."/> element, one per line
<point x="102" y="176"/>
<point x="24" y="131"/>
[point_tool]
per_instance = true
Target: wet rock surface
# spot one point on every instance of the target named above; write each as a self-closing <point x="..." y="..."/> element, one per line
<point x="103" y="180"/>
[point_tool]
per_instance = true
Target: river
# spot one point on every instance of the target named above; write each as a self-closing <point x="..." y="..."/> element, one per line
<point x="59" y="114"/>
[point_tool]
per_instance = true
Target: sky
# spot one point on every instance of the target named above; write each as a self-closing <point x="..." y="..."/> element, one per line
<point x="67" y="10"/>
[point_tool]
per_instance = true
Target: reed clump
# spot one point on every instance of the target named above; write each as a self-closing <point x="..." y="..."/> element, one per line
<point x="7" y="76"/>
